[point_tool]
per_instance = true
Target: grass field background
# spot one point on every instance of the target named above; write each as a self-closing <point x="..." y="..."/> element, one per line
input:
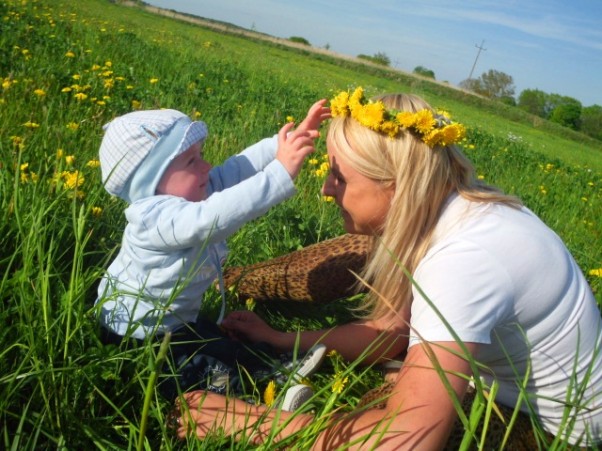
<point x="69" y="67"/>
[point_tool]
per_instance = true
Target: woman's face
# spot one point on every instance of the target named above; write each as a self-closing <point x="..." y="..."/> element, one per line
<point x="364" y="202"/>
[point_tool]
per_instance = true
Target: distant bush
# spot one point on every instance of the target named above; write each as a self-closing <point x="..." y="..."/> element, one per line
<point x="378" y="58"/>
<point x="423" y="71"/>
<point x="299" y="40"/>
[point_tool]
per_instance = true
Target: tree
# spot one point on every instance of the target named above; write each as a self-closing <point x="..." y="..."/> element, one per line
<point x="591" y="121"/>
<point x="567" y="111"/>
<point x="535" y="102"/>
<point x="423" y="71"/>
<point x="493" y="84"/>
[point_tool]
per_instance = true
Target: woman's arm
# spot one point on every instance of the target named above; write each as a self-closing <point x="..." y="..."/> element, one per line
<point x="419" y="413"/>
<point x="384" y="338"/>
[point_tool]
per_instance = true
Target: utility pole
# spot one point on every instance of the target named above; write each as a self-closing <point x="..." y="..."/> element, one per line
<point x="480" y="47"/>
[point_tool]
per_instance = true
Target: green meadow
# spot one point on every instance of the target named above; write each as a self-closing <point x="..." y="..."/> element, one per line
<point x="67" y="68"/>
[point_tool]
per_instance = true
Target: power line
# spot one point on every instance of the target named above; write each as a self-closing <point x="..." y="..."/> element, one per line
<point x="480" y="47"/>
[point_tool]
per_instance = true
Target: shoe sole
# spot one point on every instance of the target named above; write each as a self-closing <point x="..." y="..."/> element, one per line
<point x="295" y="397"/>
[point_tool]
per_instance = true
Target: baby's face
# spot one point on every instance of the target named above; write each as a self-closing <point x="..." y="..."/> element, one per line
<point x="187" y="175"/>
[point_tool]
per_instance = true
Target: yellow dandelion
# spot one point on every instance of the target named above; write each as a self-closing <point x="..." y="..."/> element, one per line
<point x="250" y="304"/>
<point x="197" y="114"/>
<point x="595" y="272"/>
<point x="136" y="104"/>
<point x="339" y="106"/>
<point x="328" y="198"/>
<point x="108" y="64"/>
<point x="405" y="119"/>
<point x="70" y="159"/>
<point x="95" y="67"/>
<point x="70" y="54"/>
<point x="371" y="115"/>
<point x="313" y="161"/>
<point x="424" y="122"/>
<point x="93" y="164"/>
<point x="152" y="81"/>
<point x="290" y="119"/>
<point x="59" y="154"/>
<point x="72" y="180"/>
<point x="67" y="89"/>
<point x="40" y="92"/>
<point x="16" y="140"/>
<point x="339" y="383"/>
<point x="24" y="167"/>
<point x="96" y="211"/>
<point x="76" y="76"/>
<point x="109" y="83"/>
<point x="73" y="126"/>
<point x="34" y="177"/>
<point x="6" y="83"/>
<point x="269" y="395"/>
<point x="481" y="177"/>
<point x="81" y="96"/>
<point x="30" y="124"/>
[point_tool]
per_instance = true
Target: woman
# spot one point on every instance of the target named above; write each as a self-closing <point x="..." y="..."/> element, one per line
<point x="458" y="272"/>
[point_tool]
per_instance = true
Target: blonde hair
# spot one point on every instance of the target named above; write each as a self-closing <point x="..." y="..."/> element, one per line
<point x="423" y="178"/>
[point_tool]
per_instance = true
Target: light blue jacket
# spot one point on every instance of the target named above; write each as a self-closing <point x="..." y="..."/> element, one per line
<point x="173" y="249"/>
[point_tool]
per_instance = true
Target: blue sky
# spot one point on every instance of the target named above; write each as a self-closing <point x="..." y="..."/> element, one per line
<point x="554" y="46"/>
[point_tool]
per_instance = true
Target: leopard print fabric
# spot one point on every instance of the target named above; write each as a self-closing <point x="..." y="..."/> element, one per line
<point x="322" y="272"/>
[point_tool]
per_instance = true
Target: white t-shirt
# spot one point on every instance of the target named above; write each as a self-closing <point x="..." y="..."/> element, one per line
<point x="500" y="277"/>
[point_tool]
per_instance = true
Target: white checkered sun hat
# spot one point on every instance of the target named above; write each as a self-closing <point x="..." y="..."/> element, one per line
<point x="144" y="141"/>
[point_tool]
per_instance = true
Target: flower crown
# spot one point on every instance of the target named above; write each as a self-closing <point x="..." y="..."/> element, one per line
<point x="433" y="129"/>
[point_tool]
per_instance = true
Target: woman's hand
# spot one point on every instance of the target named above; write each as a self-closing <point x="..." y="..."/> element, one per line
<point x="246" y="325"/>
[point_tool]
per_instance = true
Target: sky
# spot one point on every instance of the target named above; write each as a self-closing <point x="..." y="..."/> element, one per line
<point x="551" y="45"/>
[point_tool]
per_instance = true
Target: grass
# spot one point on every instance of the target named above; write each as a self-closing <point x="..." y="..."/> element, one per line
<point x="66" y="68"/>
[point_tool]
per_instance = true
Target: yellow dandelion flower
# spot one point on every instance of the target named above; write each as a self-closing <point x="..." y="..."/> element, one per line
<point x="40" y="92"/>
<point x="269" y="395"/>
<point x="95" y="67"/>
<point x="67" y="89"/>
<point x="371" y="115"/>
<point x="101" y="103"/>
<point x="6" y="83"/>
<point x="136" y="104"/>
<point x="76" y="76"/>
<point x="424" y="122"/>
<point x="152" y="81"/>
<point x="481" y="177"/>
<point x="34" y="177"/>
<point x="339" y="106"/>
<point x="81" y="96"/>
<point x="24" y="167"/>
<point x="328" y="198"/>
<point x="405" y="119"/>
<point x="109" y="83"/>
<point x="313" y="161"/>
<point x="595" y="272"/>
<point x="339" y="383"/>
<point x="73" y="126"/>
<point x="16" y="140"/>
<point x="197" y="114"/>
<point x="108" y="64"/>
<point x="72" y="180"/>
<point x="59" y="154"/>
<point x="290" y="119"/>
<point x="30" y="124"/>
<point x="70" y="159"/>
<point x="70" y="54"/>
<point x="24" y="177"/>
<point x="250" y="304"/>
<point x="96" y="211"/>
<point x="93" y="164"/>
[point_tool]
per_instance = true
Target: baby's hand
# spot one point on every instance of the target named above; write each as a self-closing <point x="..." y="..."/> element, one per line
<point x="293" y="147"/>
<point x="315" y="116"/>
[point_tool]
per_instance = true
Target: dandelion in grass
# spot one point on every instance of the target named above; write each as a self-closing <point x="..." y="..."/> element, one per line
<point x="76" y="77"/>
<point x="70" y="159"/>
<point x="328" y="198"/>
<point x="197" y="114"/>
<point x="136" y="104"/>
<point x="17" y="141"/>
<point x="59" y="153"/>
<point x="67" y="89"/>
<point x="250" y="304"/>
<point x="339" y="383"/>
<point x="595" y="272"/>
<point x="70" y="54"/>
<point x="290" y="119"/>
<point x="32" y="125"/>
<point x="96" y="211"/>
<point x="93" y="164"/>
<point x="81" y="96"/>
<point x="153" y="81"/>
<point x="269" y="395"/>
<point x="313" y="161"/>
<point x="72" y="180"/>
<point x="73" y="126"/>
<point x="39" y="92"/>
